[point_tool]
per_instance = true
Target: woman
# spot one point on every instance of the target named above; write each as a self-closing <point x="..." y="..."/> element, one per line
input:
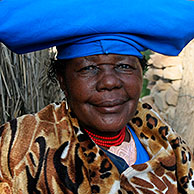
<point x="101" y="139"/>
<point x="59" y="150"/>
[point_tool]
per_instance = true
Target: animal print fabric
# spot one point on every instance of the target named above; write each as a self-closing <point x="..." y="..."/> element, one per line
<point x="48" y="153"/>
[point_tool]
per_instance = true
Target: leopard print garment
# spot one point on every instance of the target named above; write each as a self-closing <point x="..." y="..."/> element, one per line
<point x="48" y="153"/>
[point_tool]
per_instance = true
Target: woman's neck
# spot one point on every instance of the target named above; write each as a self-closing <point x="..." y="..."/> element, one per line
<point x="106" y="141"/>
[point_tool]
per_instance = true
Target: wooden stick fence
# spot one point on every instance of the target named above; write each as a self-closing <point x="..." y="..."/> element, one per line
<point x="24" y="86"/>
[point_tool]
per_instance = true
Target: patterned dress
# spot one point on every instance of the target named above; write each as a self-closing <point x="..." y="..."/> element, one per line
<point x="48" y="153"/>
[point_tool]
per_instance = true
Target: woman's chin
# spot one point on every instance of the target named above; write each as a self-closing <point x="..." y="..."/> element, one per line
<point x="109" y="125"/>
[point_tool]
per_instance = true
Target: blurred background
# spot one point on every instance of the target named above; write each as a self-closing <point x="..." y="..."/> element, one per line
<point x="168" y="86"/>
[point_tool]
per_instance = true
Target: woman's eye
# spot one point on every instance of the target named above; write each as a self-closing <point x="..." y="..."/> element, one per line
<point x="88" y="69"/>
<point x="125" y="67"/>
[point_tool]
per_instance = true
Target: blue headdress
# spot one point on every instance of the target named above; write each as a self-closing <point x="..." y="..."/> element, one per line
<point x="81" y="28"/>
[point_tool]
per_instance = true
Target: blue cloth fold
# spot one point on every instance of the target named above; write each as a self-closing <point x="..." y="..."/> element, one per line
<point x="79" y="28"/>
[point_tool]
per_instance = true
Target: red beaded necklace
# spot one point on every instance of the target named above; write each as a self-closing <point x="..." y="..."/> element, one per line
<point x="108" y="141"/>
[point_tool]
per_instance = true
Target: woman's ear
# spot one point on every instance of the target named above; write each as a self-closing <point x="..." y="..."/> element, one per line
<point x="61" y="80"/>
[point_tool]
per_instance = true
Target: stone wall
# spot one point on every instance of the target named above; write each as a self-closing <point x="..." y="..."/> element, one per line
<point x="164" y="75"/>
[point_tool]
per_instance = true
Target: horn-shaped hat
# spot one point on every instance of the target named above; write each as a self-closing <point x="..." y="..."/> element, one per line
<point x="80" y="28"/>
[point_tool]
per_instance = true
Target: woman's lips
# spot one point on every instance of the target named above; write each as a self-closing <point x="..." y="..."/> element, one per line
<point x="109" y="106"/>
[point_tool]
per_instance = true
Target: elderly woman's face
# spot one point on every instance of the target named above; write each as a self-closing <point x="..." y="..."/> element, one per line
<point x="103" y="90"/>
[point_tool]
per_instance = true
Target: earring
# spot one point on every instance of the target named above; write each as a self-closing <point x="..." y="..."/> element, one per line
<point x="66" y="103"/>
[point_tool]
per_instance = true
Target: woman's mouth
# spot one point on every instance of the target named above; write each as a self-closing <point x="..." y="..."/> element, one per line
<point x="110" y="106"/>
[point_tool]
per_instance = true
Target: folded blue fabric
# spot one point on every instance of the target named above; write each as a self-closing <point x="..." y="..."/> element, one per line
<point x="79" y="28"/>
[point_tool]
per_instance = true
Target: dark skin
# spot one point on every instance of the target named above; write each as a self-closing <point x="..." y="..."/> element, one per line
<point x="102" y="90"/>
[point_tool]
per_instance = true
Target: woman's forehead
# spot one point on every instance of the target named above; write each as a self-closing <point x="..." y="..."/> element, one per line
<point x="106" y="58"/>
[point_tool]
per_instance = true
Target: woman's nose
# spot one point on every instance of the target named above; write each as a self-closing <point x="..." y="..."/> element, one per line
<point x="108" y="80"/>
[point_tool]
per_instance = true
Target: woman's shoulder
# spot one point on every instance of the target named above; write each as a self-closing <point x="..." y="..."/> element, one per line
<point x="164" y="145"/>
<point x="24" y="141"/>
<point x="52" y="113"/>
<point x="22" y="131"/>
